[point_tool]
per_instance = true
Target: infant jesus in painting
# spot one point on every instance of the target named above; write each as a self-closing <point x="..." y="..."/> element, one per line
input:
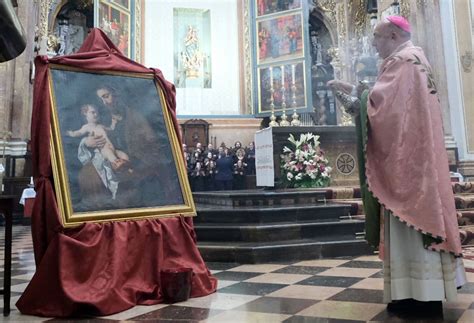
<point x="117" y="158"/>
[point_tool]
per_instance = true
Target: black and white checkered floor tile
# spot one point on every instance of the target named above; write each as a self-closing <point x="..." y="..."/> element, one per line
<point x="328" y="290"/>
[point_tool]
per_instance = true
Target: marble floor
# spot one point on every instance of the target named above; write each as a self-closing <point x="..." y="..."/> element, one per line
<point x="327" y="290"/>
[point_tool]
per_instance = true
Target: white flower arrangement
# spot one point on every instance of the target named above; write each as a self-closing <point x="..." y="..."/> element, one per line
<point x="305" y="165"/>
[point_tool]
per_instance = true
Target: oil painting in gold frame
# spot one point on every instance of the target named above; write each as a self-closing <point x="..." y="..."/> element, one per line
<point x="115" y="22"/>
<point x="114" y="150"/>
<point x="280" y="38"/>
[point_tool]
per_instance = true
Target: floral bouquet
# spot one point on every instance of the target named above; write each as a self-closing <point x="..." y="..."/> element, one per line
<point x="305" y="165"/>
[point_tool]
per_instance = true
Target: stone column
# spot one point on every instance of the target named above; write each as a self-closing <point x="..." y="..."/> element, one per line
<point x="15" y="87"/>
<point x="22" y="87"/>
<point x="16" y="90"/>
<point x="6" y="90"/>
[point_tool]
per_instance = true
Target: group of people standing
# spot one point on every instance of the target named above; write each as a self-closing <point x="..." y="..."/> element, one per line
<point x="219" y="169"/>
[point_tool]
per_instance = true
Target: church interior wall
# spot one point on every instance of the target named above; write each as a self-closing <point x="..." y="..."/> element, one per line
<point x="15" y="87"/>
<point x="16" y="91"/>
<point x="458" y="30"/>
<point x="465" y="46"/>
<point x="229" y="130"/>
<point x="464" y="26"/>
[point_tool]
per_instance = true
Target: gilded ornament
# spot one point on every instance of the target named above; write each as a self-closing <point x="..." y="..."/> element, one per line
<point x="247" y="59"/>
<point x="341" y="26"/>
<point x="45" y="8"/>
<point x="405" y="8"/>
<point x="53" y="43"/>
<point x="360" y="18"/>
<point x="328" y="8"/>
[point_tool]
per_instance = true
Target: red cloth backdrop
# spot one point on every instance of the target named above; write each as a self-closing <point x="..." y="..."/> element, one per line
<point x="99" y="268"/>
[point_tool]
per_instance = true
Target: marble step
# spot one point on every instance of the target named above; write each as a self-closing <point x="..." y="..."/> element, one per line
<point x="464" y="200"/>
<point x="341" y="192"/>
<point x="463" y="187"/>
<point x="467" y="235"/>
<point x="356" y="206"/>
<point x="465" y="217"/>
<point x="279" y="231"/>
<point x="304" y="249"/>
<point x="261" y="197"/>
<point x="266" y="214"/>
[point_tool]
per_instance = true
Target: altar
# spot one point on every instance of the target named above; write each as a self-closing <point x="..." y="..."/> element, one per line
<point x="337" y="142"/>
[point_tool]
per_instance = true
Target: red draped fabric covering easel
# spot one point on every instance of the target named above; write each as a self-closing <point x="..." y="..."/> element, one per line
<point x="99" y="268"/>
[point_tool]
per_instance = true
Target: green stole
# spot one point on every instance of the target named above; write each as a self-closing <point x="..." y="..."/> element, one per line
<point x="371" y="203"/>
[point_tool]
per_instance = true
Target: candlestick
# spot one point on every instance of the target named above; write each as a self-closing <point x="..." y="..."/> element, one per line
<point x="295" y="117"/>
<point x="284" y="119"/>
<point x="273" y="122"/>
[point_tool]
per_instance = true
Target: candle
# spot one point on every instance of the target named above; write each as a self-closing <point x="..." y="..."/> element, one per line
<point x="293" y="73"/>
<point x="283" y="76"/>
<point x="271" y="76"/>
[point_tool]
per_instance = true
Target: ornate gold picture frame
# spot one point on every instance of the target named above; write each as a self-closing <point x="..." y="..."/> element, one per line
<point x="114" y="150"/>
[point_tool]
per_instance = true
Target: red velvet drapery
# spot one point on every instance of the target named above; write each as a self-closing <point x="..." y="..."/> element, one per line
<point x="99" y="269"/>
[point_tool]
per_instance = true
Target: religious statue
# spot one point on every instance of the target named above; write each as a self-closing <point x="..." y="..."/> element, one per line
<point x="53" y="45"/>
<point x="319" y="56"/>
<point x="316" y="48"/>
<point x="191" y="57"/>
